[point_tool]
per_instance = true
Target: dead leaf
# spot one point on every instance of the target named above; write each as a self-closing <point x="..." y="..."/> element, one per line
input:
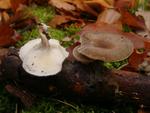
<point x="73" y="7"/>
<point x="81" y="5"/>
<point x="146" y="16"/>
<point x="58" y="20"/>
<point x="103" y="3"/>
<point x="15" y="4"/>
<point x="109" y="16"/>
<point x="22" y="18"/>
<point x="5" y="16"/>
<point x="62" y="4"/>
<point x="125" y="4"/>
<point x="5" y="4"/>
<point x="8" y="36"/>
<point x="132" y="20"/>
<point x="135" y="60"/>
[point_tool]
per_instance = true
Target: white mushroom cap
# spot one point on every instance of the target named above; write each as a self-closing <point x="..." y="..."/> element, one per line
<point x="42" y="61"/>
<point x="105" y="46"/>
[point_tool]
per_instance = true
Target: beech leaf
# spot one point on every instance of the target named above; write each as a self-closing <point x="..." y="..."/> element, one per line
<point x="62" y="4"/>
<point x="5" y="4"/>
<point x="132" y="20"/>
<point x="8" y="36"/>
<point x="103" y="3"/>
<point x="58" y="20"/>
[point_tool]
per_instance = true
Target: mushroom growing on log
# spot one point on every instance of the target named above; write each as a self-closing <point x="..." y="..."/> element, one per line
<point x="87" y="82"/>
<point x="106" y="47"/>
<point x="42" y="57"/>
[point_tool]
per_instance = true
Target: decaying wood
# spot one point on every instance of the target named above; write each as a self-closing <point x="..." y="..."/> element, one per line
<point x="88" y="82"/>
<point x="25" y="97"/>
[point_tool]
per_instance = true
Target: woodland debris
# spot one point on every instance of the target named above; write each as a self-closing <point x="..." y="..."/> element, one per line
<point x="60" y="20"/>
<point x="26" y="98"/>
<point x="87" y="82"/>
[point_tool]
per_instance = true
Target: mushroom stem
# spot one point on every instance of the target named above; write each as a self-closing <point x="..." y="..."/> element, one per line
<point x="44" y="35"/>
<point x="44" y="40"/>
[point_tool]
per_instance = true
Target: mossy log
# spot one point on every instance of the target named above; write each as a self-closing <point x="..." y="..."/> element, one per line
<point x="86" y="82"/>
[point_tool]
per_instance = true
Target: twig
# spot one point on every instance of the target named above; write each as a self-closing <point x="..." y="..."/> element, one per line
<point x="66" y="103"/>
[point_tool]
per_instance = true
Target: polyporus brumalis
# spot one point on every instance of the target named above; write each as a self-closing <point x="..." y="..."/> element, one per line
<point x="108" y="47"/>
<point x="80" y="57"/>
<point x="43" y="57"/>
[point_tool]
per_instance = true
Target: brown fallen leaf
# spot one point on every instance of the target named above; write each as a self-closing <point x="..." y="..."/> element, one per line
<point x="124" y="4"/>
<point x="74" y="8"/>
<point x="146" y="16"/>
<point x="135" y="60"/>
<point x="81" y="5"/>
<point x="5" y="4"/>
<point x="8" y="35"/>
<point x="103" y="3"/>
<point x="15" y="4"/>
<point x="109" y="16"/>
<point x="58" y="20"/>
<point x="132" y="20"/>
<point x="62" y="4"/>
<point x="22" y="18"/>
<point x="5" y="16"/>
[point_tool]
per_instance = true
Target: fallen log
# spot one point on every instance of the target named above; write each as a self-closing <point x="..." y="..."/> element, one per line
<point x="87" y="82"/>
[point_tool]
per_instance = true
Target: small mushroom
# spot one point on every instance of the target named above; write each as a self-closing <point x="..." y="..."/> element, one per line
<point x="105" y="46"/>
<point x="43" y="57"/>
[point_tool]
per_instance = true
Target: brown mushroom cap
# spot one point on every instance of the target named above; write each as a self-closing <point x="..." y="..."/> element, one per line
<point x="80" y="57"/>
<point x="105" y="46"/>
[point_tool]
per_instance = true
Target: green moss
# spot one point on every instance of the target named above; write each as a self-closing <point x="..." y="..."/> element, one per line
<point x="140" y="4"/>
<point x="7" y="102"/>
<point x="71" y="30"/>
<point x="43" y="14"/>
<point x="26" y="36"/>
<point x="116" y="65"/>
<point x="46" y="105"/>
<point x="126" y="28"/>
<point x="54" y="33"/>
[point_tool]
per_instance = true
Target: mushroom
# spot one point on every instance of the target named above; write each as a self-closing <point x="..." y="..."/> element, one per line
<point x="43" y="57"/>
<point x="80" y="57"/>
<point x="108" y="47"/>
